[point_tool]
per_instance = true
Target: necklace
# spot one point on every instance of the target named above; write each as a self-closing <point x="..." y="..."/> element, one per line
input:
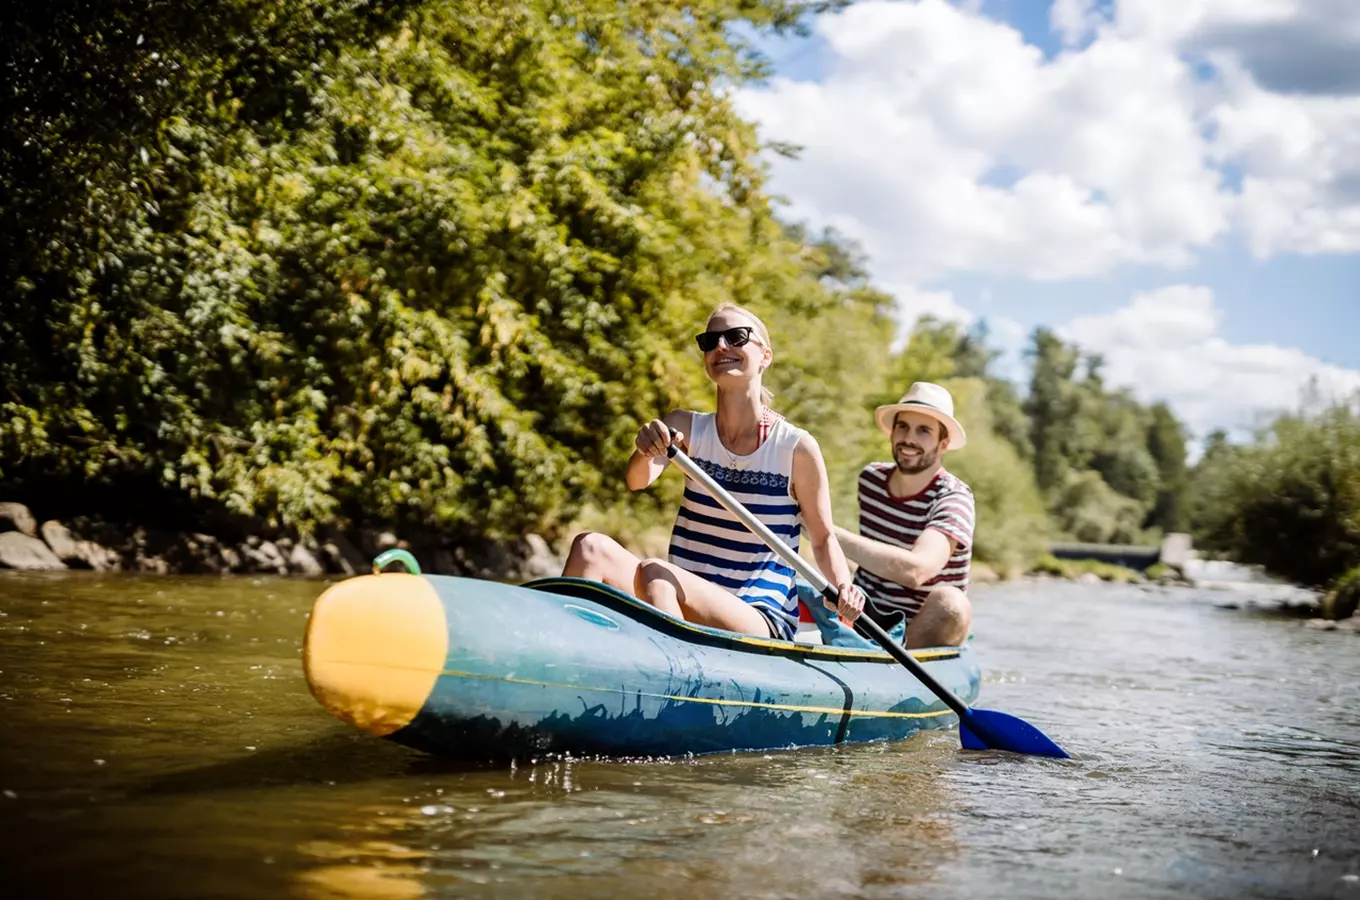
<point x="763" y="425"/>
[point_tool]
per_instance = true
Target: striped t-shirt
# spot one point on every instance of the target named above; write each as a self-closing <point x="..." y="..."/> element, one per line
<point x="714" y="544"/>
<point x="945" y="505"/>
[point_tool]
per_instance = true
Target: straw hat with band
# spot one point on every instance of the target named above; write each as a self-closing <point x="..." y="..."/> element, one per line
<point x="927" y="399"/>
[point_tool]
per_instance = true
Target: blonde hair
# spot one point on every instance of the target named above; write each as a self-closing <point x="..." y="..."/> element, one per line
<point x="766" y="395"/>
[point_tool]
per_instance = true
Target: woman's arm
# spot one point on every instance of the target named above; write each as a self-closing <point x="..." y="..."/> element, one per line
<point x="649" y="458"/>
<point x="812" y="490"/>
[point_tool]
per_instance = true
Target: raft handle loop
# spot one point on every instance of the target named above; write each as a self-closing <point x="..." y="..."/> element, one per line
<point x="387" y="557"/>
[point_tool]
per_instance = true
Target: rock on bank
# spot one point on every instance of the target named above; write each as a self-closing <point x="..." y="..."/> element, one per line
<point x="83" y="542"/>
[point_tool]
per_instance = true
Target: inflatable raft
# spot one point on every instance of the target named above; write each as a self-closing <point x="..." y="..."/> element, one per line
<point x="475" y="669"/>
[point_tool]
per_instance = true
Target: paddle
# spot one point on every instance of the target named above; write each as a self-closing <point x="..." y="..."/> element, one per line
<point x="979" y="729"/>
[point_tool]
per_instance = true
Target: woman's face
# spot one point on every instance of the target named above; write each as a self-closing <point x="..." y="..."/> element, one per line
<point x="725" y="361"/>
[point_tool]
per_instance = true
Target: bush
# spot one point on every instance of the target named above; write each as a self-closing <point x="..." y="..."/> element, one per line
<point x="1074" y="568"/>
<point x="1091" y="511"/>
<point x="1290" y="501"/>
<point x="1343" y="599"/>
<point x="1049" y="564"/>
<point x="422" y="263"/>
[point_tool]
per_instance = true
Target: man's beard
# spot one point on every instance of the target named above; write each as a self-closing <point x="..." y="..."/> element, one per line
<point x="922" y="463"/>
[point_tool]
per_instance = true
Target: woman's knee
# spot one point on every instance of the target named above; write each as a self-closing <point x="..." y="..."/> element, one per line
<point x="650" y="570"/>
<point x="655" y="581"/>
<point x="600" y="557"/>
<point x="591" y="547"/>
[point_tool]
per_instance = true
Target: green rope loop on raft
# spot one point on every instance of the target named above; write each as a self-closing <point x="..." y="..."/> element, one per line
<point x="387" y="557"/>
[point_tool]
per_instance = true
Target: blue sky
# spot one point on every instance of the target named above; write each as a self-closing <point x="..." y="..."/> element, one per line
<point x="1124" y="134"/>
<point x="1309" y="302"/>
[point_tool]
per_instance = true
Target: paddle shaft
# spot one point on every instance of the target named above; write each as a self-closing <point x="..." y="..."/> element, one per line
<point x="864" y="624"/>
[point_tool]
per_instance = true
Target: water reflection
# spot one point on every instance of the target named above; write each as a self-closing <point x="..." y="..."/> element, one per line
<point x="764" y="825"/>
<point x="358" y="862"/>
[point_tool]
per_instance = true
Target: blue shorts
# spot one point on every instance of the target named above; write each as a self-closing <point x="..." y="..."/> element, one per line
<point x="779" y="626"/>
<point x="834" y="632"/>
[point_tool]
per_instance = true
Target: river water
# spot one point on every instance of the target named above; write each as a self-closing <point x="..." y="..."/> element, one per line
<point x="159" y="741"/>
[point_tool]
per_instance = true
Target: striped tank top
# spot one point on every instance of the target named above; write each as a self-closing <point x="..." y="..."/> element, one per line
<point x="713" y="544"/>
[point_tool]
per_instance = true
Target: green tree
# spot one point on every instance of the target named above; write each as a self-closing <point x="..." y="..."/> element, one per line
<point x="1090" y="510"/>
<point x="1084" y="431"/>
<point x="1013" y="528"/>
<point x="929" y="355"/>
<point x="1117" y="443"/>
<point x="975" y="358"/>
<point x="1166" y="441"/>
<point x="1052" y="407"/>
<point x="423" y="263"/>
<point x="1289" y="500"/>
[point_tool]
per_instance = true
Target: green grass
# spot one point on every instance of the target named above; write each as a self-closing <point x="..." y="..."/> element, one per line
<point x="1074" y="568"/>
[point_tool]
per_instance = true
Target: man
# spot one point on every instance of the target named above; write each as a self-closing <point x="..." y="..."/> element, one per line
<point x="916" y="524"/>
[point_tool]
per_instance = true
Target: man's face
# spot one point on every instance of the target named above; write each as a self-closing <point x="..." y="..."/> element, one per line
<point x="916" y="442"/>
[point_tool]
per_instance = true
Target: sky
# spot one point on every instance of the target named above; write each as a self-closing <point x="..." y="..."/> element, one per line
<point x="1173" y="184"/>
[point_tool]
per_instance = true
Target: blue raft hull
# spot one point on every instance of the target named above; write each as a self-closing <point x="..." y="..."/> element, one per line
<point x="566" y="666"/>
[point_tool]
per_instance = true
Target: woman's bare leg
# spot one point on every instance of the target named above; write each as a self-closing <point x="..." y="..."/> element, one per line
<point x="683" y="594"/>
<point x="601" y="558"/>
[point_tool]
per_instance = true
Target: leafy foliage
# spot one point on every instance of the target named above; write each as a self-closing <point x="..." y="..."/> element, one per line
<point x="1073" y="569"/>
<point x="1342" y="601"/>
<point x="1111" y="468"/>
<point x="1091" y="511"/>
<point x="1290" y="501"/>
<point x="1166" y="446"/>
<point x="432" y="262"/>
<point x="1013" y="528"/>
<point x="415" y="263"/>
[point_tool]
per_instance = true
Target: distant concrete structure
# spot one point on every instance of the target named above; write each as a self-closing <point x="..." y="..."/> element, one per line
<point x="1176" y="550"/>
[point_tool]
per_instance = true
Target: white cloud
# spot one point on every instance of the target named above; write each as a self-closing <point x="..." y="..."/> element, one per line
<point x="1165" y="346"/>
<point x="1289" y="46"/>
<point x="1075" y="20"/>
<point x="1010" y="339"/>
<point x="1300" y="156"/>
<point x="944" y="143"/>
<point x="913" y="302"/>
<point x="927" y="108"/>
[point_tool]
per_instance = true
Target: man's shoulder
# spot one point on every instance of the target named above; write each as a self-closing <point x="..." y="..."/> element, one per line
<point x="877" y="470"/>
<point x="949" y="483"/>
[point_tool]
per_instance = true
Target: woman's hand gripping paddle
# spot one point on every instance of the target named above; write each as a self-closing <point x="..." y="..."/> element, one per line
<point x="979" y="729"/>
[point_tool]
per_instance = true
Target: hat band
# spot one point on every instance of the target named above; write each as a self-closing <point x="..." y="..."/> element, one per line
<point x="922" y="405"/>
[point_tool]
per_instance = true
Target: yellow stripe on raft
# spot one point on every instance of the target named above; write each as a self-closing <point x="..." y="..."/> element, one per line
<point x="870" y="654"/>
<point x="779" y="707"/>
<point x="374" y="650"/>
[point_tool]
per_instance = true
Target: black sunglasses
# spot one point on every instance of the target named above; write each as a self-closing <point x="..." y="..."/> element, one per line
<point x="735" y="337"/>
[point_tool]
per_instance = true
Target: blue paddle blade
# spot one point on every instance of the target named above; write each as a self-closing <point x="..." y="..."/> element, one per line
<point x="987" y="729"/>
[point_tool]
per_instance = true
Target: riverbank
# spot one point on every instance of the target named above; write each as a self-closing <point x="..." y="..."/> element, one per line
<point x="91" y="543"/>
<point x="29" y="543"/>
<point x="84" y="542"/>
<point x="1093" y="571"/>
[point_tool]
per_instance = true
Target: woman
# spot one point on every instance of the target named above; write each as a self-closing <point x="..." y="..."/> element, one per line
<point x="719" y="573"/>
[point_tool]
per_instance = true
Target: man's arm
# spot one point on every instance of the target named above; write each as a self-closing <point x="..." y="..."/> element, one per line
<point x="910" y="568"/>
